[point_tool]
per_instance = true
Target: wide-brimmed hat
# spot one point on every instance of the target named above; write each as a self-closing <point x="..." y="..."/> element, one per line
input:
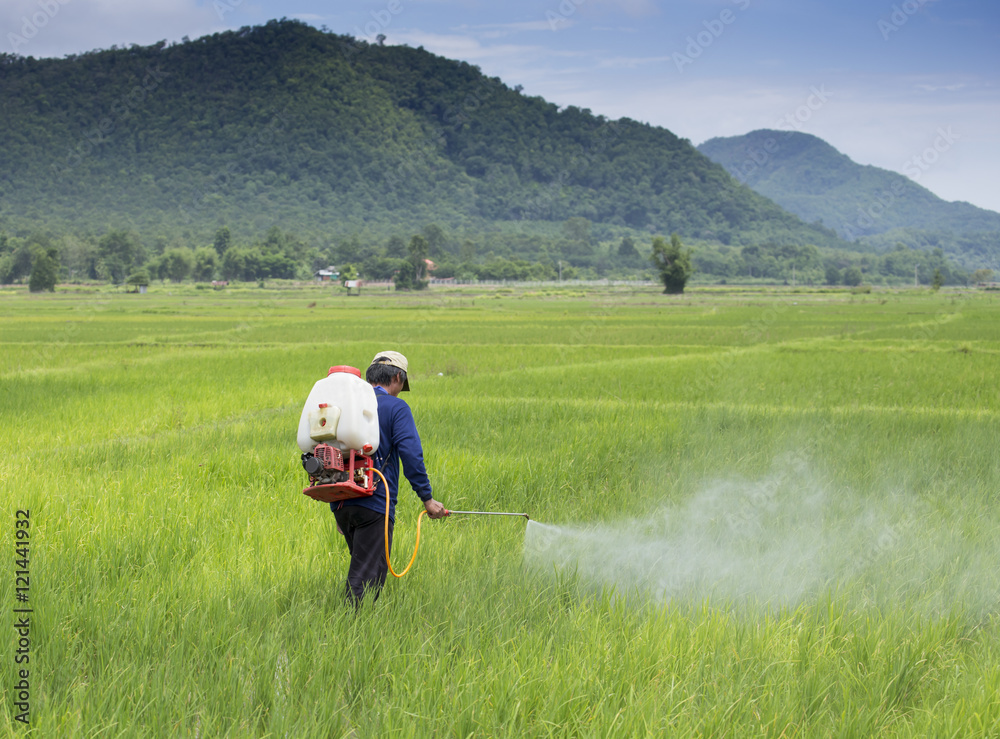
<point x="393" y="359"/>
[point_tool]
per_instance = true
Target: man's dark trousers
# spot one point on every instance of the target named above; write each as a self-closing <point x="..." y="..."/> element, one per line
<point x="364" y="530"/>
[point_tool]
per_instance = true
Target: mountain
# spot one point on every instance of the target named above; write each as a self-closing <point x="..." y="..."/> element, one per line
<point x="286" y="126"/>
<point x="873" y="206"/>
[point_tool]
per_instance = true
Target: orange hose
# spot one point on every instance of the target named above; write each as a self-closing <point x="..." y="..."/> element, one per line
<point x="415" y="546"/>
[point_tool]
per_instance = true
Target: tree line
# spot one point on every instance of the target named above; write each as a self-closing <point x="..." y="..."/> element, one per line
<point x="573" y="250"/>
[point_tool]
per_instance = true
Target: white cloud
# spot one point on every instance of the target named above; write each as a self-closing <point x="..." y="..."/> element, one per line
<point x="936" y="88"/>
<point x="624" y="62"/>
<point x="631" y="8"/>
<point x="494" y="30"/>
<point x="310" y="17"/>
<point x="465" y="47"/>
<point x="44" y="28"/>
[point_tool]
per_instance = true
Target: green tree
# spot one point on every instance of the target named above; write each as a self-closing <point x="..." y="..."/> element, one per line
<point x="413" y="276"/>
<point x="403" y="279"/>
<point x="853" y="276"/>
<point x="250" y="263"/>
<point x="178" y="263"/>
<point x="17" y="260"/>
<point x="418" y="257"/>
<point x="382" y="268"/>
<point x="348" y="272"/>
<point x="223" y="240"/>
<point x="626" y="249"/>
<point x="277" y="266"/>
<point x="673" y="262"/>
<point x="157" y="268"/>
<point x="79" y="257"/>
<point x="833" y="276"/>
<point x="436" y="239"/>
<point x="234" y="265"/>
<point x="139" y="278"/>
<point x="206" y="262"/>
<point x="45" y="271"/>
<point x="6" y="268"/>
<point x="117" y="251"/>
<point x="938" y="280"/>
<point x="981" y="276"/>
<point x="396" y="248"/>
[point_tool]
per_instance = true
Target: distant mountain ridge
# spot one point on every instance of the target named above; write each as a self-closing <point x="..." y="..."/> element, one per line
<point x="285" y="125"/>
<point x="873" y="206"/>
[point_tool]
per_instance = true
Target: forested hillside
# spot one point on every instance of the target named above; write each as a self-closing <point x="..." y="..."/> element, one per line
<point x="875" y="207"/>
<point x="286" y="125"/>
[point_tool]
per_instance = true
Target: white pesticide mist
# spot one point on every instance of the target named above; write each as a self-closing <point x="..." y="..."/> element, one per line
<point x="781" y="541"/>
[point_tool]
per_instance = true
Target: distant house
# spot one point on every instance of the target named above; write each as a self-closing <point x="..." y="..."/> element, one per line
<point x="326" y="275"/>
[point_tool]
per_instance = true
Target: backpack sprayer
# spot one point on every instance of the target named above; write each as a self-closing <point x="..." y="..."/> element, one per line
<point x="338" y="434"/>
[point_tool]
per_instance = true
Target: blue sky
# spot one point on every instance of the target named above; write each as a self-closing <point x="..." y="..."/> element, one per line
<point x="908" y="85"/>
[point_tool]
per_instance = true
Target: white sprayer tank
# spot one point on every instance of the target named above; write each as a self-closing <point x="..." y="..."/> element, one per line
<point x="341" y="411"/>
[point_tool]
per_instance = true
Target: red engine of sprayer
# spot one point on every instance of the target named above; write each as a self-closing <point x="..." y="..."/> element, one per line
<point x="333" y="478"/>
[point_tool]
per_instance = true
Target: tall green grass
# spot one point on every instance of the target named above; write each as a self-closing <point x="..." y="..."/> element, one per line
<point x="183" y="585"/>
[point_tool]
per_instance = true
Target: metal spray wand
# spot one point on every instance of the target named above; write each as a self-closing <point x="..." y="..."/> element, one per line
<point x="487" y="513"/>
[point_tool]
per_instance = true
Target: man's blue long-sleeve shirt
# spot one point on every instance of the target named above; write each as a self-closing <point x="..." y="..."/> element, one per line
<point x="398" y="442"/>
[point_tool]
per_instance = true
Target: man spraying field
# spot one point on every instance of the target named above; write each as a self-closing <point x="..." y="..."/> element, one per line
<point x="362" y="520"/>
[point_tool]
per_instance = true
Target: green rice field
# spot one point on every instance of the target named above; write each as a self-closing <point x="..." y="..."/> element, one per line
<point x="753" y="513"/>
